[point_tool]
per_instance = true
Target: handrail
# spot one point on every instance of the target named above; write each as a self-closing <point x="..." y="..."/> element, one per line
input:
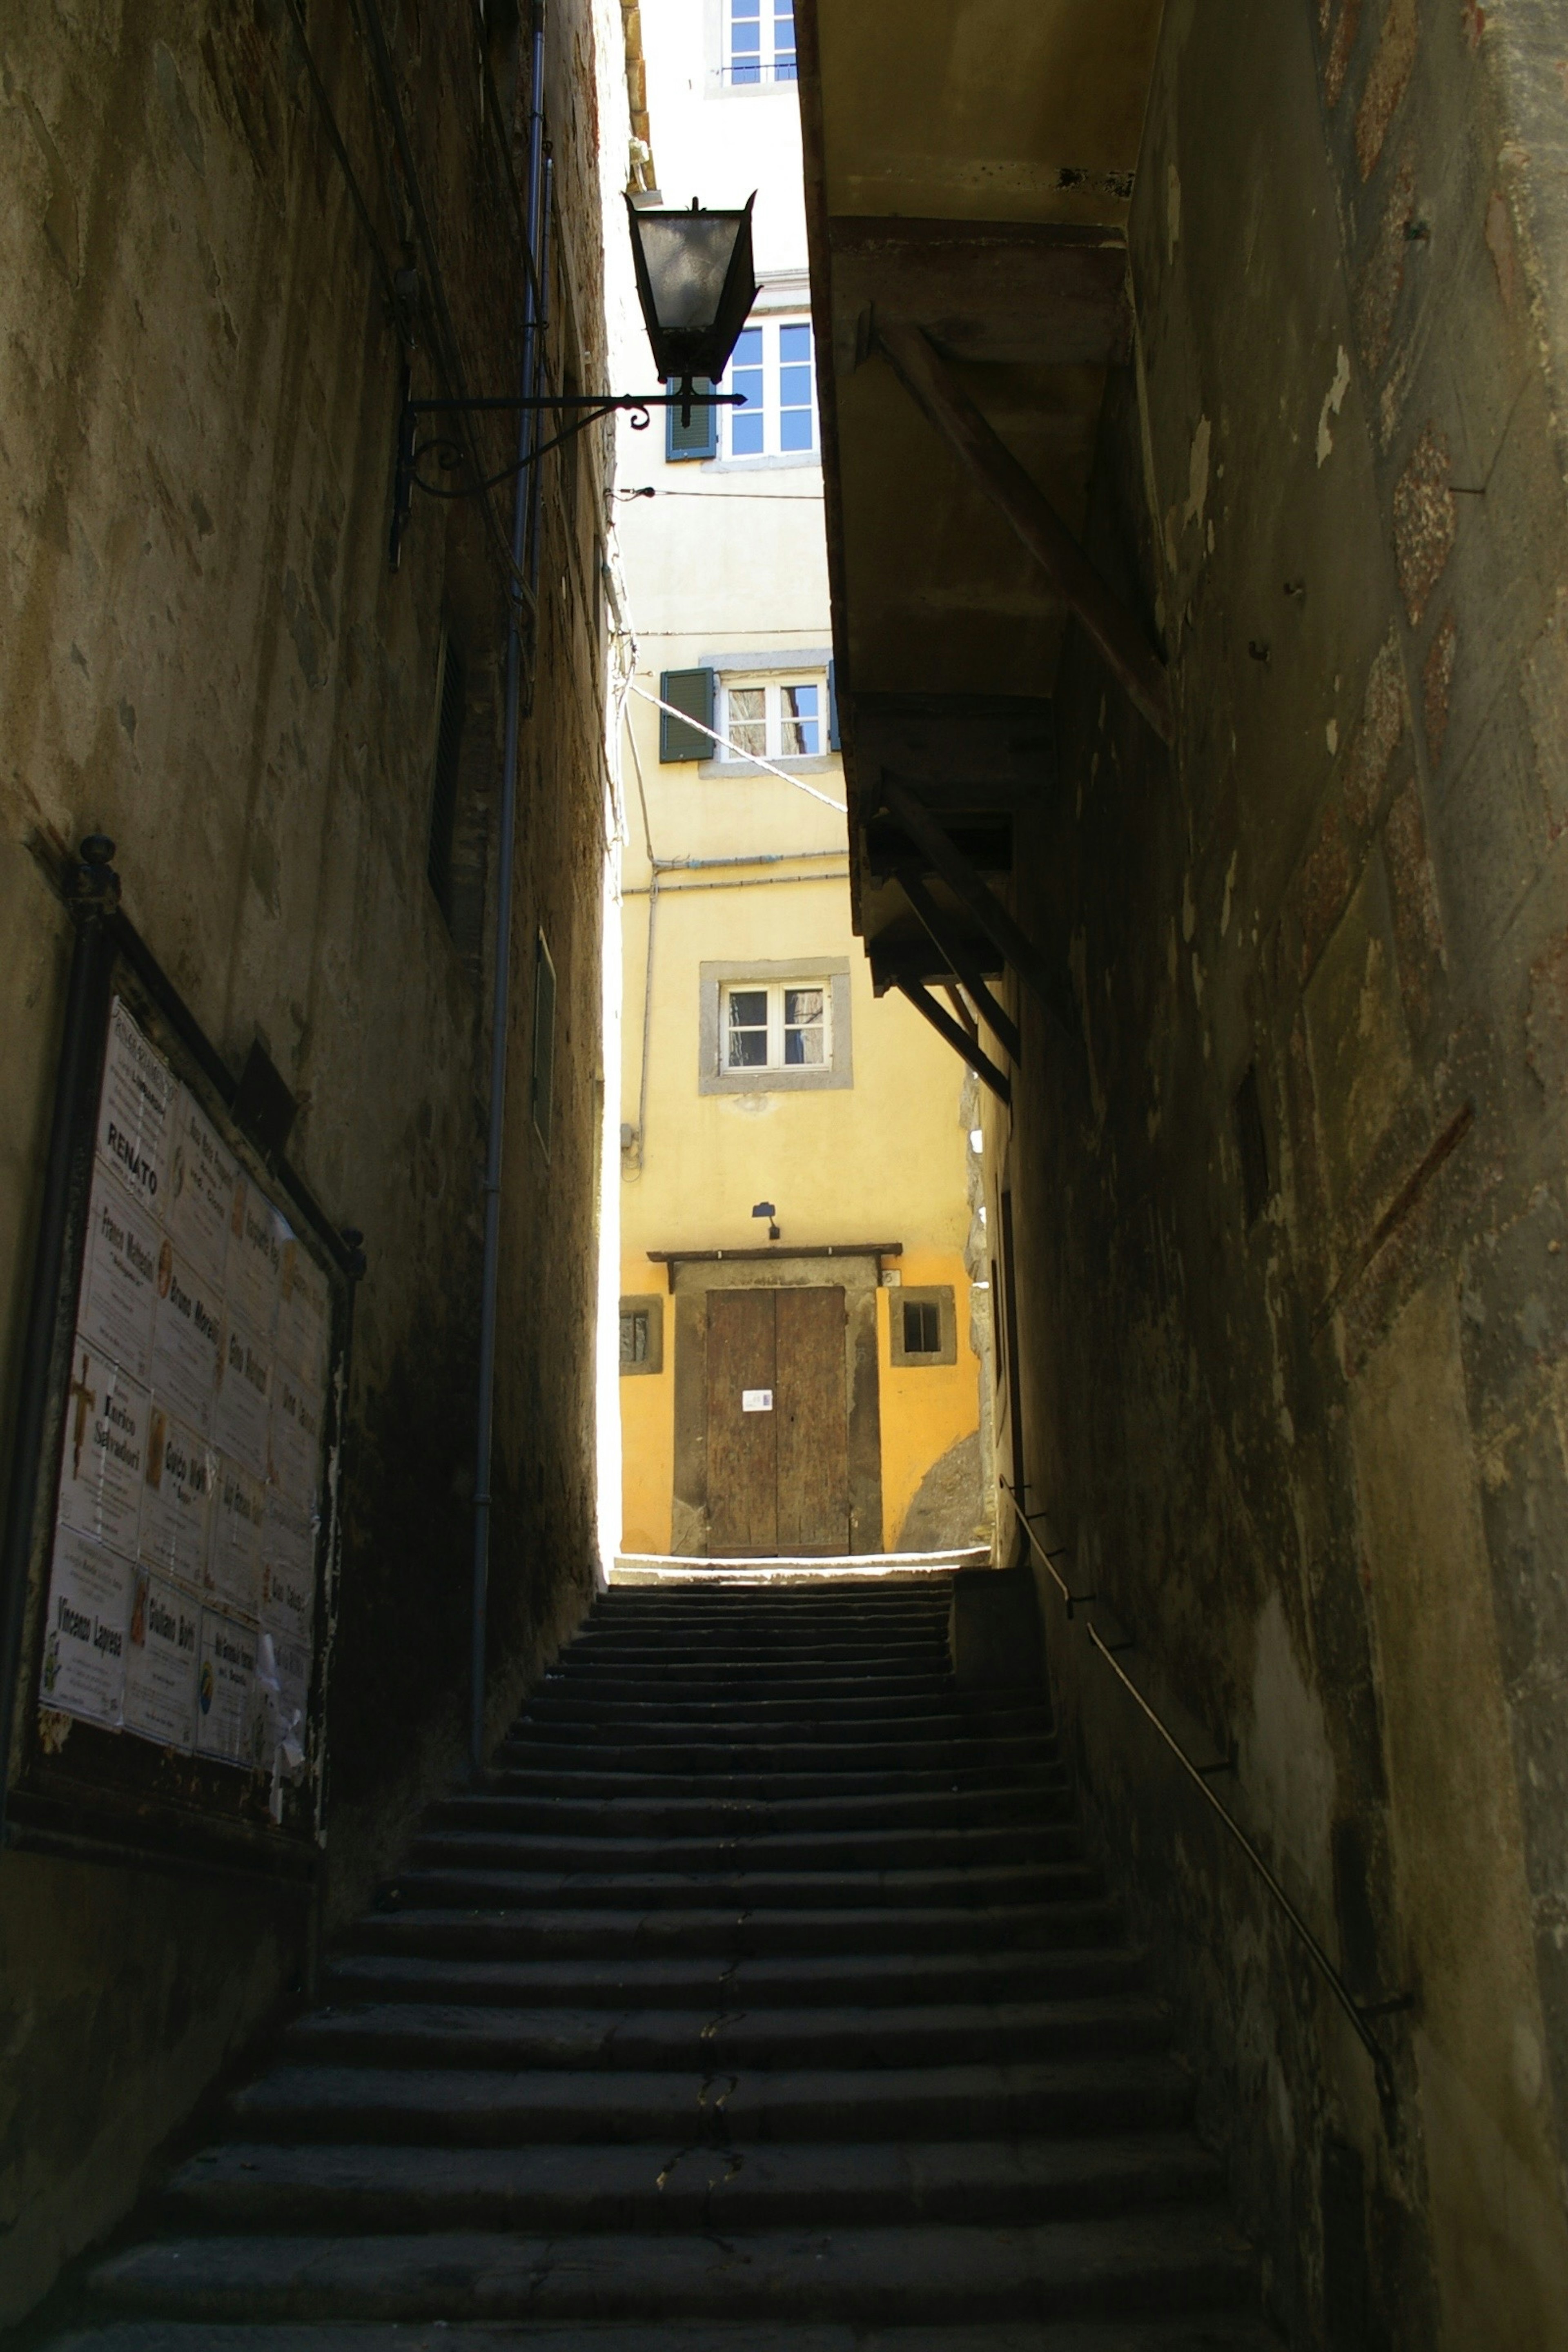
<point x="1354" y="2012"/>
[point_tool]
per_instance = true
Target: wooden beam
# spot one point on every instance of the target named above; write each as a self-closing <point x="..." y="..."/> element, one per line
<point x="932" y="384"/>
<point x="1052" y="990"/>
<point x="945" y="938"/>
<point x="984" y="1068"/>
<point x="995" y="752"/>
<point x="960" y="1003"/>
<point x="1016" y="293"/>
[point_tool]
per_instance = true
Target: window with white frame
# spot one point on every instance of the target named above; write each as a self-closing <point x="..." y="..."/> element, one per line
<point x="776" y="1026"/>
<point x="759" y="43"/>
<point x="771" y="367"/>
<point x="773" y="718"/>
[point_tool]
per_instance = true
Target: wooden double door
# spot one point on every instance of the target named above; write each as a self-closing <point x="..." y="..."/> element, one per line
<point x="778" y="1452"/>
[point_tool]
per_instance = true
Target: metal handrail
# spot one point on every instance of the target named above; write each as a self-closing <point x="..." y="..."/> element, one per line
<point x="1354" y="2013"/>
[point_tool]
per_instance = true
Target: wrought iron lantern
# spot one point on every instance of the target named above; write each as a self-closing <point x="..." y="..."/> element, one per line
<point x="696" y="287"/>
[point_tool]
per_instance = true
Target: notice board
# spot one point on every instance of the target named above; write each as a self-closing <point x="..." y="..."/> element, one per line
<point x="179" y="1631"/>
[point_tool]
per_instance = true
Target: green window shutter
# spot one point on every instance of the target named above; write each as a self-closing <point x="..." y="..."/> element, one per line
<point x="690" y="690"/>
<point x="833" y="742"/>
<point x="698" y="439"/>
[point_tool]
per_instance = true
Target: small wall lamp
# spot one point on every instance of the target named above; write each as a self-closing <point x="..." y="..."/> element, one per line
<point x="766" y="1208"/>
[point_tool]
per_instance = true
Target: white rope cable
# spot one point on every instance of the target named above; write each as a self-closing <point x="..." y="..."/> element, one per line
<point x="736" y="753"/>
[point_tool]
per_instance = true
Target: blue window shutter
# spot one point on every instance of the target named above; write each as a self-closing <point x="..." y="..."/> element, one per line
<point x="690" y="690"/>
<point x="833" y="742"/>
<point x="698" y="439"/>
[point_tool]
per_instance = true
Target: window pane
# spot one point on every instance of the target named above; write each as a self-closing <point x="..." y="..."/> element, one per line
<point x="784" y="41"/>
<point x="799" y="736"/>
<point x="805" y="1027"/>
<point x="794" y="388"/>
<point x="746" y="40"/>
<point x="922" y="1327"/>
<point x="748" y="719"/>
<point x="748" y="1032"/>
<point x="746" y="424"/>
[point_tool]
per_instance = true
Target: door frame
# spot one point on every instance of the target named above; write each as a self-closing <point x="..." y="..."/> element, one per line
<point x="693" y="1279"/>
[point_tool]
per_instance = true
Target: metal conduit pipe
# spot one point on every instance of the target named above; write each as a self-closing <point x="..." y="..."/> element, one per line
<point x="524" y="510"/>
<point x="757" y="882"/>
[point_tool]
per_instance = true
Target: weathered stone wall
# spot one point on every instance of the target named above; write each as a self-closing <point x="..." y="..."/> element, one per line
<point x="1314" y="1459"/>
<point x="202" y="654"/>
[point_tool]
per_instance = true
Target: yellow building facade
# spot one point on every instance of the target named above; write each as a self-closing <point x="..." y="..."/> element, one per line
<point x="801" y="1340"/>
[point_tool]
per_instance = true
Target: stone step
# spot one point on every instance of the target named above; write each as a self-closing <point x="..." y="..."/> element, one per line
<point x="741" y="1756"/>
<point x="716" y="1814"/>
<point x="432" y="2034"/>
<point x="733" y="1932"/>
<point x="446" y="1846"/>
<point x="807" y="1698"/>
<point x="662" y="1714"/>
<point x="1168" y="2261"/>
<point x="776" y="1786"/>
<point x="997" y="1886"/>
<point x="482" y="2106"/>
<point x="716" y="1984"/>
<point x="880" y="1653"/>
<point x="258" y="2185"/>
<point x="1202" y="2331"/>
<point x="702" y="1678"/>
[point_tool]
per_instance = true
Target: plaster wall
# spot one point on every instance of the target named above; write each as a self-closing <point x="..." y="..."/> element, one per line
<point x="1313" y="1462"/>
<point x="727" y="559"/>
<point x="203" y="654"/>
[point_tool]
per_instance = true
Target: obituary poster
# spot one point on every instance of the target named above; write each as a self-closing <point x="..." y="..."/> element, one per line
<point x="242" y="1411"/>
<point x="304" y="1318"/>
<point x="84" y="1634"/>
<point x="297" y="1430"/>
<point x="103" y="1465"/>
<point x="234" y="1560"/>
<point x="288" y="1571"/>
<point x="177" y="1500"/>
<point x="202" y="1180"/>
<point x="187" y="1334"/>
<point x="191" y="1481"/>
<point x="162" y="1653"/>
<point x="135" y="1109"/>
<point x="227" y="1699"/>
<point x="120" y="1274"/>
<point x="254" y="1265"/>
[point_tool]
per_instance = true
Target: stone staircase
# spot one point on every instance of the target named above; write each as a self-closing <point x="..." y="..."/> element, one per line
<point x="764" y="2000"/>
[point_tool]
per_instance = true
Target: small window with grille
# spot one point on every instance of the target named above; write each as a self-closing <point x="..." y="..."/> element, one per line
<point x="922" y="1324"/>
<point x="642" y="1334"/>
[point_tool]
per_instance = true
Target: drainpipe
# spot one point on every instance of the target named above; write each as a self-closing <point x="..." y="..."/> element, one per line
<point x="524" y="506"/>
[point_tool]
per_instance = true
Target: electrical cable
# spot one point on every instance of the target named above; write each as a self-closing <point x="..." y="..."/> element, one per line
<point x="735" y="752"/>
<point x="340" y="149"/>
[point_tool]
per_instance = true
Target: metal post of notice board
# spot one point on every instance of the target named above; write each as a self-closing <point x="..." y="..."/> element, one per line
<point x="172" y="1546"/>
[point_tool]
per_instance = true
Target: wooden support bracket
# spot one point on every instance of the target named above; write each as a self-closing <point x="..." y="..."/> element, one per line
<point x="932" y="385"/>
<point x="946" y="1027"/>
<point x="996" y="1018"/>
<point x="1052" y="990"/>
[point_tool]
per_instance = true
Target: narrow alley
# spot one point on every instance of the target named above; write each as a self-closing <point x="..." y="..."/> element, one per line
<point x="783" y="1176"/>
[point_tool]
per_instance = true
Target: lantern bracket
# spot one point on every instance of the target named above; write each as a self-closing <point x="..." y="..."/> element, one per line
<point x="452" y="457"/>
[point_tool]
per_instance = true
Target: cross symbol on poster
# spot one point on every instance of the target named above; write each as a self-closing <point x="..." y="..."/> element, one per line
<point x="85" y="1402"/>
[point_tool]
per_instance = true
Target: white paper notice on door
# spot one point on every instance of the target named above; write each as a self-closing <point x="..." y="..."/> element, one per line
<point x="756" y="1400"/>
